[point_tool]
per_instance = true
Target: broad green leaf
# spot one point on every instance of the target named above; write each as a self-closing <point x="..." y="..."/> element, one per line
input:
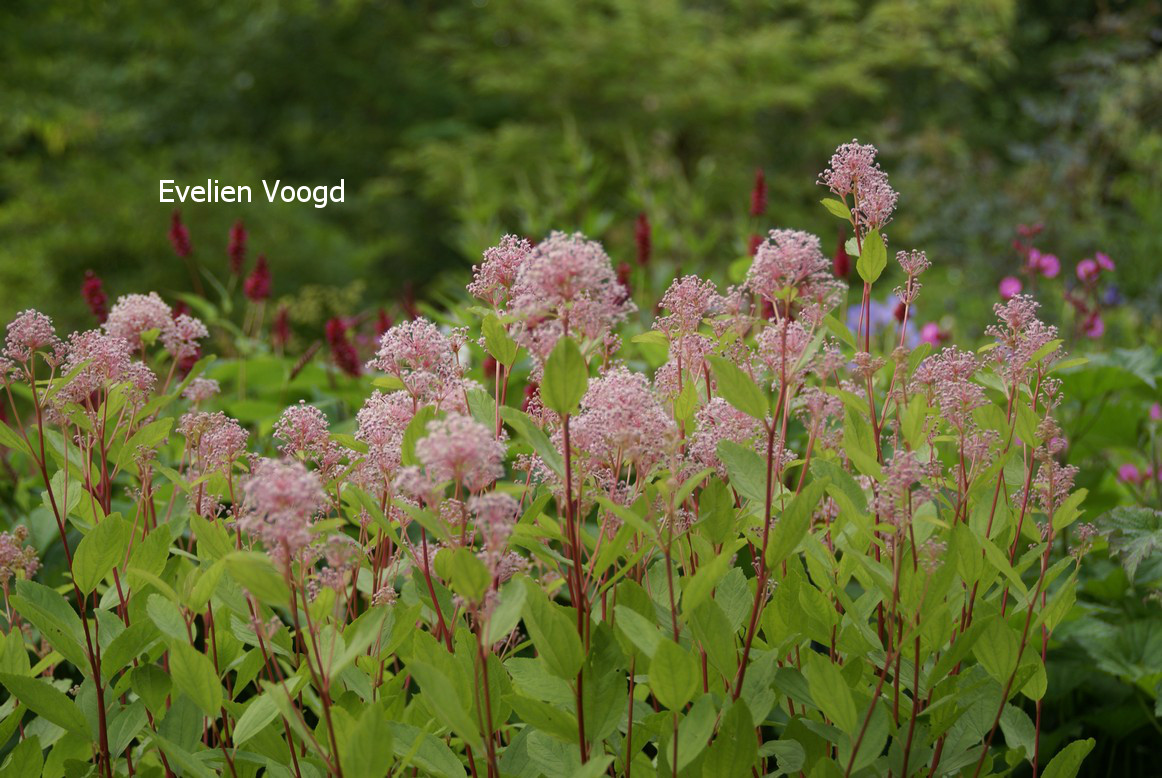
<point x="695" y="730"/>
<point x="507" y="612"/>
<point x="147" y="437"/>
<point x="836" y="207"/>
<point x="554" y="634"/>
<point x="26" y="758"/>
<point x="46" y="701"/>
<point x="997" y="650"/>
<point x="166" y="616"/>
<point x="859" y="442"/>
<point x="566" y="377"/>
<point x="535" y="437"/>
<point x="257" y="574"/>
<point x="794" y="522"/>
<point x="831" y="693"/>
<point x="747" y="471"/>
<point x="367" y="749"/>
<point x="468" y="576"/>
<point x="873" y="259"/>
<point x="499" y="343"/>
<point x="734" y="750"/>
<point x="417" y="428"/>
<point x="194" y="675"/>
<point x="444" y="702"/>
<point x="1067" y="761"/>
<point x="739" y="389"/>
<point x="105" y="545"/>
<point x="674" y="675"/>
<point x="258" y="714"/>
<point x="48" y="611"/>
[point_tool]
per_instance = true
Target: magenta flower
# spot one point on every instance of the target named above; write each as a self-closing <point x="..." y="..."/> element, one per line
<point x="179" y="236"/>
<point x="236" y="250"/>
<point x="1047" y="265"/>
<point x="1156" y="412"/>
<point x="758" y="195"/>
<point x="1129" y="474"/>
<point x="931" y="334"/>
<point x="1009" y="287"/>
<point x="1088" y="271"/>
<point x="256" y="287"/>
<point x="1093" y="326"/>
<point x="1104" y="262"/>
<point x="93" y="290"/>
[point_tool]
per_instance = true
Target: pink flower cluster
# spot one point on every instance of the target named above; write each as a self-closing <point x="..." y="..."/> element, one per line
<point x="15" y="557"/>
<point x="854" y="171"/>
<point x="460" y="449"/>
<point x="420" y="356"/>
<point x="494" y="277"/>
<point x="622" y="422"/>
<point x="280" y="500"/>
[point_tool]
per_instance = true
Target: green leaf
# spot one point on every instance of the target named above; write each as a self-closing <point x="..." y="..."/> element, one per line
<point x="497" y="340"/>
<point x="700" y="586"/>
<point x="1135" y="533"/>
<point x="716" y="511"/>
<point x="444" y="702"/>
<point x="258" y="714"/>
<point x="831" y="693"/>
<point x="1068" y="760"/>
<point x="747" y="471"/>
<point x="26" y="758"/>
<point x="100" y="551"/>
<point x="566" y="377"/>
<point x="166" y="616"/>
<point x="554" y="634"/>
<point x="874" y="257"/>
<point x="416" y="429"/>
<point x="48" y="611"/>
<point x="507" y="612"/>
<point x="468" y="575"/>
<point x="794" y="522"/>
<point x="194" y="674"/>
<point x="997" y="650"/>
<point x="734" y="750"/>
<point x="48" y="702"/>
<point x="674" y="675"/>
<point x="652" y="337"/>
<point x="859" y="442"/>
<point x="148" y="437"/>
<point x="738" y="388"/>
<point x="535" y="437"/>
<point x="257" y="574"/>
<point x="837" y="208"/>
<point x="695" y="730"/>
<point x="367" y="749"/>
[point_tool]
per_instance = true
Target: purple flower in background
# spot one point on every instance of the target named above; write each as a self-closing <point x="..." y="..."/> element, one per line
<point x="1104" y="262"/>
<point x="1088" y="271"/>
<point x="1156" y="412"/>
<point x="1129" y="473"/>
<point x="1093" y="326"/>
<point x="1009" y="287"/>
<point x="1047" y="265"/>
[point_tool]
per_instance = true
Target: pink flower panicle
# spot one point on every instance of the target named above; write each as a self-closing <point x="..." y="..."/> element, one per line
<point x="181" y="335"/>
<point x="419" y="355"/>
<point x="495" y="514"/>
<point x="215" y="440"/>
<point x="717" y="421"/>
<point x="179" y="236"/>
<point x="913" y="263"/>
<point x="135" y="314"/>
<point x="790" y="260"/>
<point x="29" y="332"/>
<point x="236" y="249"/>
<point x="256" y="287"/>
<point x="689" y="300"/>
<point x="459" y="448"/>
<point x="200" y="390"/>
<point x="15" y="557"/>
<point x="493" y="279"/>
<point x="381" y="424"/>
<point x="106" y="359"/>
<point x="568" y="277"/>
<point x="93" y="290"/>
<point x="622" y="421"/>
<point x="280" y="500"/>
<point x="280" y="329"/>
<point x="1019" y="335"/>
<point x="854" y="171"/>
<point x="304" y="429"/>
<point x="781" y="347"/>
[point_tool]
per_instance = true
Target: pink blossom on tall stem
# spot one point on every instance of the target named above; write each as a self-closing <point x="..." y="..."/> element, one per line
<point x="1130" y="474"/>
<point x="200" y="390"/>
<point x="622" y="421"/>
<point x="853" y="171"/>
<point x="179" y="236"/>
<point x="16" y="559"/>
<point x="689" y="300"/>
<point x="717" y="421"/>
<point x="1009" y="287"/>
<point x="493" y="279"/>
<point x="302" y="428"/>
<point x="1156" y="412"/>
<point x="381" y="424"/>
<point x="1093" y="326"/>
<point x="1045" y="265"/>
<point x="1088" y="271"/>
<point x="136" y="314"/>
<point x="496" y="514"/>
<point x="458" y="448"/>
<point x="180" y="337"/>
<point x="236" y="249"/>
<point x="93" y="290"/>
<point x="931" y="334"/>
<point x="280" y="330"/>
<point x="419" y="355"/>
<point x="781" y="346"/>
<point x="642" y="237"/>
<point x="1019" y="335"/>
<point x="215" y="440"/>
<point x="256" y="287"/>
<point x="280" y="500"/>
<point x="29" y="332"/>
<point x="343" y="352"/>
<point x="571" y="279"/>
<point x="382" y="322"/>
<point x="106" y="360"/>
<point x="790" y="260"/>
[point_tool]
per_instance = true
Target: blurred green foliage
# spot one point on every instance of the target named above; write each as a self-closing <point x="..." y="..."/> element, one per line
<point x="452" y="123"/>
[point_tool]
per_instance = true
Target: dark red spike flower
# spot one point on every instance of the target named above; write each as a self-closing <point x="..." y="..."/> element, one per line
<point x="382" y="322"/>
<point x="236" y="250"/>
<point x="489" y="366"/>
<point x="256" y="287"/>
<point x="531" y="389"/>
<point x="280" y="330"/>
<point x="900" y="311"/>
<point x="841" y="264"/>
<point x="758" y="195"/>
<point x="179" y="308"/>
<point x="343" y="352"/>
<point x="755" y="242"/>
<point x="179" y="236"/>
<point x="624" y="276"/>
<point x="93" y="290"/>
<point x="642" y="235"/>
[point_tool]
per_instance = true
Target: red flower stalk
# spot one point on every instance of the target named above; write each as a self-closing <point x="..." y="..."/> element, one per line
<point x="93" y="291"/>
<point x="758" y="196"/>
<point x="179" y="236"/>
<point x="382" y="322"/>
<point x="179" y="308"/>
<point x="642" y="236"/>
<point x="280" y="331"/>
<point x="755" y="242"/>
<point x="900" y="311"/>
<point x="841" y="264"/>
<point x="624" y="271"/>
<point x="256" y="287"/>
<point x="342" y="350"/>
<point x="489" y="366"/>
<point x="236" y="250"/>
